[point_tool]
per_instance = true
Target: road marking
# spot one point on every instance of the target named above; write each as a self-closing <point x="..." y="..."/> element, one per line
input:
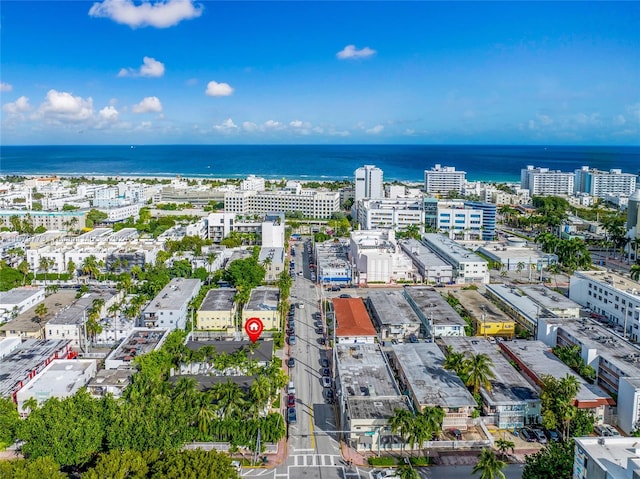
<point x="301" y="450"/>
<point x="313" y="436"/>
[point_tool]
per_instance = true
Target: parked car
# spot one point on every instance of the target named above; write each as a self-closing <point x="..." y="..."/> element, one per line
<point x="344" y="296"/>
<point x="319" y="331"/>
<point x="324" y="362"/>
<point x="413" y="338"/>
<point x="291" y="389"/>
<point x="322" y="341"/>
<point x="540" y="437"/>
<point x="554" y="435"/>
<point x="291" y="362"/>
<point x="456" y="434"/>
<point x="291" y="400"/>
<point x="291" y="415"/>
<point x="326" y="382"/>
<point x="292" y="339"/>
<point x="326" y="372"/>
<point x="385" y="474"/>
<point x="329" y="394"/>
<point x="527" y="435"/>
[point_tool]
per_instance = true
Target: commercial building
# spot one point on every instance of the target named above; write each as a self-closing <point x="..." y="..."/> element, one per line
<point x="51" y="220"/>
<point x="601" y="183"/>
<point x="311" y="203"/>
<point x="442" y="180"/>
<point x="488" y="319"/>
<point x="430" y="267"/>
<point x="26" y="361"/>
<point x="543" y="181"/>
<point x="520" y="307"/>
<point x="517" y="255"/>
<point x="263" y="304"/>
<point x="421" y="373"/>
<point x="468" y="267"/>
<point x="606" y="458"/>
<point x="552" y="302"/>
<point x="170" y="308"/>
<point x="394" y="317"/>
<point x="60" y="379"/>
<point x="437" y="317"/>
<point x="367" y="396"/>
<point x="369" y="183"/>
<point x="535" y="359"/>
<point x="332" y="264"/>
<point x="387" y="213"/>
<point x="18" y="300"/>
<point x="511" y="402"/>
<point x="610" y="295"/>
<point x="353" y="324"/>
<point x="378" y="259"/>
<point x="218" y="311"/>
<point x="460" y="223"/>
<point x="488" y="218"/>
<point x="269" y="228"/>
<point x="139" y="341"/>
<point x="8" y="345"/>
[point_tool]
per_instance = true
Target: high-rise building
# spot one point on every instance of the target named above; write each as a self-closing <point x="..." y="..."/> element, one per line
<point x="369" y="184"/>
<point x="600" y="183"/>
<point x="443" y="180"/>
<point x="543" y="181"/>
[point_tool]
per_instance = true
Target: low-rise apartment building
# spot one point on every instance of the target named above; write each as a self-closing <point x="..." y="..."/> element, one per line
<point x="394" y="317"/>
<point x="430" y="267"/>
<point x="218" y="311"/>
<point x="438" y="318"/>
<point x="353" y="323"/>
<point x="170" y="308"/>
<point x="263" y="304"/>
<point x="468" y="267"/>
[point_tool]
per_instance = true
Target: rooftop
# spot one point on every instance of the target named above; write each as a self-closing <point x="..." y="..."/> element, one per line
<point x="374" y="408"/>
<point x="18" y="295"/>
<point x="517" y="300"/>
<point x="220" y="299"/>
<point x="422" y="365"/>
<point x="76" y="312"/>
<point x="614" y="280"/>
<point x="540" y="361"/>
<point x="352" y="318"/>
<point x="433" y="306"/>
<point x="30" y="356"/>
<point x="139" y="341"/>
<point x="615" y="455"/>
<point x="263" y="353"/>
<point x="452" y="250"/>
<point x="477" y="305"/>
<point x="173" y="296"/>
<point x="391" y="308"/>
<point x="206" y="382"/>
<point x="422" y="254"/>
<point x="549" y="298"/>
<point x="26" y="323"/>
<point x="61" y="378"/>
<point x="363" y="372"/>
<point x="508" y="386"/>
<point x="263" y="298"/>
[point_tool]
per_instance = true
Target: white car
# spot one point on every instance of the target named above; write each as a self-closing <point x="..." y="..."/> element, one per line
<point x="385" y="474"/>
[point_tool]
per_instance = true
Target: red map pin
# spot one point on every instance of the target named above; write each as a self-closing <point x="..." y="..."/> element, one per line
<point x="254" y="328"/>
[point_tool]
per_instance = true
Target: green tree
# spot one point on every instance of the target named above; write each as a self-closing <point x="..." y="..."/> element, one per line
<point x="635" y="272"/>
<point x="479" y="372"/>
<point x="489" y="466"/>
<point x="504" y="446"/>
<point x="9" y="422"/>
<point x="554" y="461"/>
<point x="194" y="464"/>
<point x="118" y="464"/>
<point x="90" y="267"/>
<point x="41" y="312"/>
<point x="406" y="471"/>
<point x="23" y="268"/>
<point x="557" y="401"/>
<point x="401" y="423"/>
<point x="38" y="468"/>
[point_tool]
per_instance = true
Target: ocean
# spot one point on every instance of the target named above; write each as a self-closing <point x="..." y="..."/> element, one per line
<point x="307" y="162"/>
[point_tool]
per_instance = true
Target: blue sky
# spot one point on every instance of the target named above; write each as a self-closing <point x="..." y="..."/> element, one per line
<point x="208" y="72"/>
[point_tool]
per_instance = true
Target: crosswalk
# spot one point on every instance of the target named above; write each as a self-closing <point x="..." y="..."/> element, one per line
<point x="301" y="460"/>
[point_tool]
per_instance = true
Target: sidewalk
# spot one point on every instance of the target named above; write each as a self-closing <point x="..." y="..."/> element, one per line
<point x="350" y="454"/>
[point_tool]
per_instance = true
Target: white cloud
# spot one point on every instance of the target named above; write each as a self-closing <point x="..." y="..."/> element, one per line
<point x="272" y="125"/>
<point x="159" y="14"/>
<point x="5" y="86"/>
<point x="619" y="120"/>
<point x="351" y="52"/>
<point x="226" y="126"/>
<point x="249" y="126"/>
<point x="108" y="113"/>
<point x="61" y="106"/>
<point x="150" y="104"/>
<point x="218" y="89"/>
<point x="18" y="107"/>
<point x="375" y="130"/>
<point x="343" y="133"/>
<point x="149" y="68"/>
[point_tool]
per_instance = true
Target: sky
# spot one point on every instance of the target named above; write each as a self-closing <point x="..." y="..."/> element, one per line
<point x="331" y="72"/>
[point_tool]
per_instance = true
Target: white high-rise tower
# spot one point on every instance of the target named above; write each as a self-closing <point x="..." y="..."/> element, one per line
<point x="369" y="184"/>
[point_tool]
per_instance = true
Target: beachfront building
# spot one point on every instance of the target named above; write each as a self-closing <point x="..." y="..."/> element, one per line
<point x="601" y="183"/>
<point x="392" y="314"/>
<point x="610" y="295"/>
<point x="535" y="360"/>
<point x="369" y="183"/>
<point x="252" y="183"/>
<point x="352" y="321"/>
<point x="438" y="318"/>
<point x="170" y="308"/>
<point x="442" y="180"/>
<point x="17" y="300"/>
<point x="310" y="203"/>
<point x="60" y="379"/>
<point x="430" y="267"/>
<point x="386" y="213"/>
<point x="218" y="311"/>
<point x="468" y="267"/>
<point x="421" y="373"/>
<point x="543" y="181"/>
<point x="511" y="402"/>
<point x="332" y="263"/>
<point x="263" y="304"/>
<point x="368" y="397"/>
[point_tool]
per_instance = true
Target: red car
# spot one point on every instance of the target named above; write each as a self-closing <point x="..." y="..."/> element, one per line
<point x="291" y="400"/>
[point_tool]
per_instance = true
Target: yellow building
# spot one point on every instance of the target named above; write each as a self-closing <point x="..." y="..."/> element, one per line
<point x="218" y="311"/>
<point x="505" y="328"/>
<point x="263" y="304"/>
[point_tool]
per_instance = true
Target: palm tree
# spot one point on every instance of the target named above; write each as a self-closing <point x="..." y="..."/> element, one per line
<point x="520" y="266"/>
<point x="44" y="265"/>
<point x="505" y="445"/>
<point x="407" y="472"/>
<point x="400" y="423"/>
<point x="229" y="397"/>
<point x="489" y="466"/>
<point x="205" y="415"/>
<point x="113" y="311"/>
<point x="261" y="391"/>
<point x="71" y="269"/>
<point x="23" y="268"/>
<point x="635" y="272"/>
<point x="30" y="404"/>
<point x="41" y="311"/>
<point x="90" y="267"/>
<point x="433" y="417"/>
<point x="478" y="368"/>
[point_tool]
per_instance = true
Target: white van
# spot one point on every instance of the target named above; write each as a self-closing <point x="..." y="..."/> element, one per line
<point x="291" y="389"/>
